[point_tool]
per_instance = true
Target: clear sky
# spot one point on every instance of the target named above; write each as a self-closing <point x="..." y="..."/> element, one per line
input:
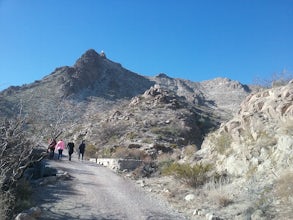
<point x="190" y="39"/>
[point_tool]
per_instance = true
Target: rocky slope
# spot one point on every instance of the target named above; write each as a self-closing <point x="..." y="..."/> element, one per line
<point x="254" y="149"/>
<point x="82" y="95"/>
<point x="253" y="154"/>
<point x="157" y="117"/>
<point x="259" y="137"/>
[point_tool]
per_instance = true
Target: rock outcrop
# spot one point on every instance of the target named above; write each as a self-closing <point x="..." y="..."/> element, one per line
<point x="259" y="137"/>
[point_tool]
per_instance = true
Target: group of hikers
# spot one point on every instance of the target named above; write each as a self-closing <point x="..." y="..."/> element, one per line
<point x="60" y="146"/>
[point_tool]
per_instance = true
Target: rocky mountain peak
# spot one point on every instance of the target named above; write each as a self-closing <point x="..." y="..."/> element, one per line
<point x="163" y="75"/>
<point x="95" y="75"/>
<point x="90" y="57"/>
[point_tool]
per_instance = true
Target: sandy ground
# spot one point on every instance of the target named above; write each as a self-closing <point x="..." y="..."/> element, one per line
<point x="96" y="192"/>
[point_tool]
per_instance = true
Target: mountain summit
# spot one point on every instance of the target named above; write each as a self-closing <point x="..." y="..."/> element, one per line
<point x="95" y="75"/>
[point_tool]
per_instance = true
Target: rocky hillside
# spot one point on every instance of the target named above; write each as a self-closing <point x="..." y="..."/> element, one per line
<point x="259" y="137"/>
<point x="254" y="149"/>
<point x="158" y="117"/>
<point x="84" y="94"/>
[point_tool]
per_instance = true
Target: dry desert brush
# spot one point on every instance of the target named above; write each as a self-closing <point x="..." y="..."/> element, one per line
<point x="193" y="175"/>
<point x="16" y="155"/>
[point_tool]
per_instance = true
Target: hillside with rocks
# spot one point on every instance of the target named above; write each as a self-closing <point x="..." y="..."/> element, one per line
<point x="254" y="149"/>
<point x="244" y="135"/>
<point x="82" y="95"/>
<point x="158" y="117"/>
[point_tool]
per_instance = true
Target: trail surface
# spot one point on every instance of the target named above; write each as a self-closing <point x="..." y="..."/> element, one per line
<point x="97" y="193"/>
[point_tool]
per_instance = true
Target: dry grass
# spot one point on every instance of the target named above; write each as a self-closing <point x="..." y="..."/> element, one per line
<point x="218" y="192"/>
<point x="221" y="199"/>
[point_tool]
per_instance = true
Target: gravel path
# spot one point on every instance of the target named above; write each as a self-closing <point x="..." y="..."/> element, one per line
<point x="97" y="193"/>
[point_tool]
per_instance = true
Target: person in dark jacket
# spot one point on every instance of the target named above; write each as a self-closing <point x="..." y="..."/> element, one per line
<point x="70" y="147"/>
<point x="81" y="150"/>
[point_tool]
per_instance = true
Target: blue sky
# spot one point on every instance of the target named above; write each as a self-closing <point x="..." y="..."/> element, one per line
<point x="190" y="39"/>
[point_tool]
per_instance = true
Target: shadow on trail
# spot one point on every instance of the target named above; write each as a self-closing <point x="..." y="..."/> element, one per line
<point x="58" y="199"/>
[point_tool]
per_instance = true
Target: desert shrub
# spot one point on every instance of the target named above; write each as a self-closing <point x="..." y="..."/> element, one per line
<point x="132" y="135"/>
<point x="16" y="155"/>
<point x="222" y="142"/>
<point x="111" y="132"/>
<point x="218" y="192"/>
<point x="190" y="150"/>
<point x="125" y="153"/>
<point x="91" y="151"/>
<point x="170" y="130"/>
<point x="147" y="140"/>
<point x="164" y="161"/>
<point x="106" y="152"/>
<point x="221" y="199"/>
<point x="194" y="176"/>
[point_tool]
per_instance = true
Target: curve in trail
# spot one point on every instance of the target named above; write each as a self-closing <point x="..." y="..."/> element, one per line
<point x="97" y="193"/>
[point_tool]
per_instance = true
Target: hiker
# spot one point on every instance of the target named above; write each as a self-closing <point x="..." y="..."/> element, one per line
<point x="70" y="148"/>
<point x="81" y="150"/>
<point x="51" y="148"/>
<point x="60" y="147"/>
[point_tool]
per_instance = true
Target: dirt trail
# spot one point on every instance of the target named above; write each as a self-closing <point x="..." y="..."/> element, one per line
<point x="97" y="193"/>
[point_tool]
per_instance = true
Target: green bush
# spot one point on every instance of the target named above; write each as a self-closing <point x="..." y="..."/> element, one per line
<point x="191" y="175"/>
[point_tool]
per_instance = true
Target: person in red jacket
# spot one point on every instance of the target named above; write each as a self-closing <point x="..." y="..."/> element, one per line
<point x="51" y="148"/>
